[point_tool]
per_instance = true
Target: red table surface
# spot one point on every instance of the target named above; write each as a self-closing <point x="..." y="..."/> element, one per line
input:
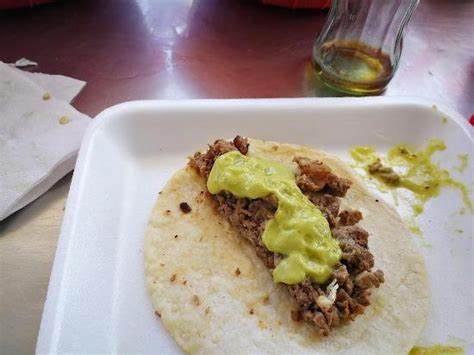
<point x="178" y="49"/>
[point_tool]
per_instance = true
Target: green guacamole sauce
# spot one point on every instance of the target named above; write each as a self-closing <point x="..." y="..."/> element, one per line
<point x="415" y="170"/>
<point x="298" y="231"/>
<point x="436" y="350"/>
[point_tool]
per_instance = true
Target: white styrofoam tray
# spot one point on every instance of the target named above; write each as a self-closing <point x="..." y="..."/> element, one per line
<point x="97" y="300"/>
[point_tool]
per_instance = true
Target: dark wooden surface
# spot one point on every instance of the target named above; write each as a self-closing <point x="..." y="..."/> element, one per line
<point x="176" y="49"/>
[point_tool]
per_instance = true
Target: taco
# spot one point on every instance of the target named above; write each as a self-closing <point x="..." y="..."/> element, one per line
<point x="263" y="247"/>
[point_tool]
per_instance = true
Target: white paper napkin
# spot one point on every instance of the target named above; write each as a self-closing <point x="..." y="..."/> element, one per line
<point x="40" y="134"/>
<point x="60" y="86"/>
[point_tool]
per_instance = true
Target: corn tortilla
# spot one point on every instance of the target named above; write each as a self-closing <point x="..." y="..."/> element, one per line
<point x="214" y="295"/>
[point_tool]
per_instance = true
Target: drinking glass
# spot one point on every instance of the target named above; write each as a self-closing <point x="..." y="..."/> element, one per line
<point x="360" y="45"/>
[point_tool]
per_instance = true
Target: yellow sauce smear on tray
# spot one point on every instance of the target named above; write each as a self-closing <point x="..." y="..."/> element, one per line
<point x="464" y="159"/>
<point x="298" y="230"/>
<point x="436" y="350"/>
<point x="405" y="167"/>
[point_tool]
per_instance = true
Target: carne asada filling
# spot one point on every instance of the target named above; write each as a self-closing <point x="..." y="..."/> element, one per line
<point x="347" y="291"/>
<point x="298" y="231"/>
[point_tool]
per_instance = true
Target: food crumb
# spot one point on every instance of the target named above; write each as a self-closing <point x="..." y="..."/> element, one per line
<point x="251" y="311"/>
<point x="195" y="299"/>
<point x="184" y="207"/>
<point x="46" y="96"/>
<point x="64" y="120"/>
<point x="173" y="278"/>
<point x="387" y="174"/>
<point x="237" y="272"/>
<point x="158" y="314"/>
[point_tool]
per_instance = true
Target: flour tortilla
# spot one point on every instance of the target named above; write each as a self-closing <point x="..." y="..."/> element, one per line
<point x="191" y="262"/>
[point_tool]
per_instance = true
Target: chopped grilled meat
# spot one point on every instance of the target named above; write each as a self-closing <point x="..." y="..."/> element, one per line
<point x="343" y="278"/>
<point x="319" y="320"/>
<point x="241" y="144"/>
<point x="203" y="162"/>
<point x="349" y="217"/>
<point x="314" y="176"/>
<point x="249" y="217"/>
<point x="304" y="293"/>
<point x="347" y="306"/>
<point x="353" y="242"/>
<point x="368" y="279"/>
<point x="351" y="281"/>
<point x="327" y="204"/>
<point x="337" y="186"/>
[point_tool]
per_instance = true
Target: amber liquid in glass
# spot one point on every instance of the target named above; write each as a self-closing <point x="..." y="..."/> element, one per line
<point x="354" y="67"/>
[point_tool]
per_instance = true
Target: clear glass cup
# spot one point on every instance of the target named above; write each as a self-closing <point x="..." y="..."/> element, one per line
<point x="360" y="45"/>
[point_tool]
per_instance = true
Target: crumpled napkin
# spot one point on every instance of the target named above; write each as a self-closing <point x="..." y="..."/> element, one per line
<point x="40" y="134"/>
<point x="61" y="87"/>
